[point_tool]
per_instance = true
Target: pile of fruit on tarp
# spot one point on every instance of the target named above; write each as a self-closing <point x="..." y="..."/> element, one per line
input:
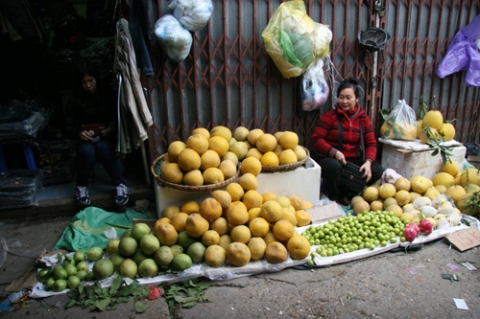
<point x="232" y="227"/>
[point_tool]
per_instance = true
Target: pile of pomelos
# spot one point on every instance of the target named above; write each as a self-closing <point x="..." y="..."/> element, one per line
<point x="238" y="224"/>
<point x="211" y="157"/>
<point x="407" y="197"/>
<point x="433" y="126"/>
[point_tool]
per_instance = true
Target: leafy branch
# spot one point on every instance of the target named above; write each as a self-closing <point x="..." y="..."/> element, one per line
<point x="186" y="295"/>
<point x="422" y="109"/>
<point x="99" y="298"/>
<point x="472" y="207"/>
<point x="438" y="146"/>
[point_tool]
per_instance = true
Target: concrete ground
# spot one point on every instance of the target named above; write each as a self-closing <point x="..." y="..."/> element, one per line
<point x="390" y="285"/>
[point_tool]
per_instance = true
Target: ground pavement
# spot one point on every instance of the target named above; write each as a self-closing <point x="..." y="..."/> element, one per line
<point x="390" y="285"/>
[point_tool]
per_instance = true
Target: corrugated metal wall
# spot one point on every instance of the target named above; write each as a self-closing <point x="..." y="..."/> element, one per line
<point x="229" y="79"/>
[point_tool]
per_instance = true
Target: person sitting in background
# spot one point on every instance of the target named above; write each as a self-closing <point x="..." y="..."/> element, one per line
<point x="92" y="123"/>
<point x="325" y="141"/>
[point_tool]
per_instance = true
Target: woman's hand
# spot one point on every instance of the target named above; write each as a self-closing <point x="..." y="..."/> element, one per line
<point x="367" y="170"/>
<point x="85" y="136"/>
<point x="340" y="157"/>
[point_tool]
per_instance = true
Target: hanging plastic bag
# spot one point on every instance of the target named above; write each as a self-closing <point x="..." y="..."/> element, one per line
<point x="463" y="54"/>
<point x="400" y="124"/>
<point x="193" y="15"/>
<point x="293" y="40"/>
<point x="315" y="89"/>
<point x="174" y="39"/>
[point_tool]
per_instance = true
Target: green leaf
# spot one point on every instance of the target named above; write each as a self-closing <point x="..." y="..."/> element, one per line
<point x="117" y="282"/>
<point x="71" y="303"/>
<point x="189" y="304"/>
<point x="140" y="307"/>
<point x="102" y="304"/>
<point x="81" y="287"/>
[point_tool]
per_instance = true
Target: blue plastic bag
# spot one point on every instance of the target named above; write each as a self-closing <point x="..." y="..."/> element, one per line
<point x="463" y="54"/>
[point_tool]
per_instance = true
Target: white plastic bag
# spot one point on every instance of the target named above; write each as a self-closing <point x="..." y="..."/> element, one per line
<point x="400" y="124"/>
<point x="193" y="15"/>
<point x="174" y="39"/>
<point x="315" y="89"/>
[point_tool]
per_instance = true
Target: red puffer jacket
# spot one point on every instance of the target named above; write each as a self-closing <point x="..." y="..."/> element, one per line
<point x="325" y="135"/>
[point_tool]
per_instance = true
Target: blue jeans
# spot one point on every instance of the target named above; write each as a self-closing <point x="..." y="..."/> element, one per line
<point x="103" y="151"/>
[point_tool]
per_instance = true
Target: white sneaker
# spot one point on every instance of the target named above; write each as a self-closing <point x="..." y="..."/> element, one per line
<point x="83" y="199"/>
<point x="121" y="197"/>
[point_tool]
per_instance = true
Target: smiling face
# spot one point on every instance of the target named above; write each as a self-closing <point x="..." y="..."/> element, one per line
<point x="89" y="83"/>
<point x="347" y="99"/>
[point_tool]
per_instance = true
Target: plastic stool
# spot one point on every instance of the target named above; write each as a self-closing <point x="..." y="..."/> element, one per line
<point x="27" y="151"/>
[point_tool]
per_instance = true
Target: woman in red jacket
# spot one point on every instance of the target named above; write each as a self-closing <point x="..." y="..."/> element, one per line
<point x="331" y="156"/>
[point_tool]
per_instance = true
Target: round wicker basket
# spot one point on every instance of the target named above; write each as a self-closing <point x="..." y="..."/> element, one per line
<point x="286" y="167"/>
<point x="155" y="170"/>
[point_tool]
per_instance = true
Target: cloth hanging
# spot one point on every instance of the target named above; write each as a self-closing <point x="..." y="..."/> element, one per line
<point x="133" y="101"/>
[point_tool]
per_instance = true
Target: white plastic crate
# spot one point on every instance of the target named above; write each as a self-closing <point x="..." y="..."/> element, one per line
<point x="409" y="163"/>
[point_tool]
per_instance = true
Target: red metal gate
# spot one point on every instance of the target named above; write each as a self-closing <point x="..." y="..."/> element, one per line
<point x="229" y="79"/>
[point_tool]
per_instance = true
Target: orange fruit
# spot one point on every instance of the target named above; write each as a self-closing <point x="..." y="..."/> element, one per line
<point x="259" y="227"/>
<point x="189" y="160"/>
<point x="240" y="233"/>
<point x="190" y="207"/>
<point x="298" y="247"/>
<point x="237" y="215"/>
<point x="198" y="143"/>
<point x="179" y="220"/>
<point x="252" y="199"/>
<point x="210" y="208"/>
<point x="257" y="247"/>
<point x="166" y="234"/>
<point x="283" y="230"/>
<point x="276" y="252"/>
<point x="272" y="211"/>
<point x="266" y="143"/>
<point x="210" y="237"/>
<point x="235" y="190"/>
<point x="238" y="254"/>
<point x="220" y="225"/>
<point x="251" y="165"/>
<point x="303" y="217"/>
<point x="196" y="225"/>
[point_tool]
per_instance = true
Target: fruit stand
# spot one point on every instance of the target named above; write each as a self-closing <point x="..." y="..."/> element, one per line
<point x="237" y="203"/>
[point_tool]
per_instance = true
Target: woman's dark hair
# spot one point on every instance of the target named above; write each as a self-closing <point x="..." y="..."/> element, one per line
<point x="349" y="83"/>
<point x="83" y="69"/>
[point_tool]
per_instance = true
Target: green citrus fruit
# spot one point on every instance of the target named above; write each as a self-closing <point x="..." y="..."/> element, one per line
<point x="103" y="268"/>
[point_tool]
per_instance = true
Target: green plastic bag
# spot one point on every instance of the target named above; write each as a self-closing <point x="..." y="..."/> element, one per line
<point x="86" y="228"/>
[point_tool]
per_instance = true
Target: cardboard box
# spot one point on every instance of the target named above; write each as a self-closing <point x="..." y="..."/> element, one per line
<point x="410" y="163"/>
<point x="304" y="181"/>
<point x="474" y="160"/>
<point x="324" y="213"/>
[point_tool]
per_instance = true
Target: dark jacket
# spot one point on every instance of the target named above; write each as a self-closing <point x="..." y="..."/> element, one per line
<point x="85" y="108"/>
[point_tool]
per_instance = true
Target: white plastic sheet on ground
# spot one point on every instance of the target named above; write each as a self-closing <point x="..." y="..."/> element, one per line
<point x="196" y="271"/>
<point x="364" y="253"/>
